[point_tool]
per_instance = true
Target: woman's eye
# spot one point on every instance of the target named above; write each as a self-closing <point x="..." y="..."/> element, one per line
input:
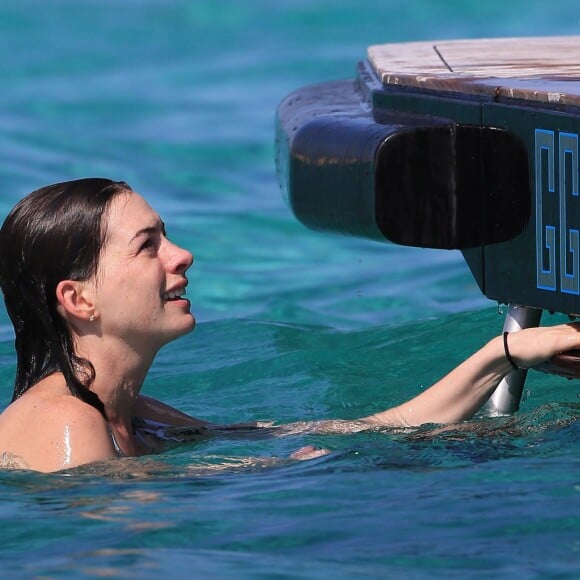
<point x="148" y="243"/>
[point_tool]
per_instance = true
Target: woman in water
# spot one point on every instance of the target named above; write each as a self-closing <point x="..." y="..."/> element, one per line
<point x="94" y="289"/>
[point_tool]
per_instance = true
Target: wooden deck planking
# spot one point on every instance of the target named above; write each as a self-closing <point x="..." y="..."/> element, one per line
<point x="541" y="69"/>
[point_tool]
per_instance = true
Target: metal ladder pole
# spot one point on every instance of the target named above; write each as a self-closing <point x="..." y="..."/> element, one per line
<point x="507" y="395"/>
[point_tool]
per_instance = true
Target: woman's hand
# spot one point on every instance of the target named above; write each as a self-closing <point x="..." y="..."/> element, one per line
<point x="309" y="452"/>
<point x="531" y="346"/>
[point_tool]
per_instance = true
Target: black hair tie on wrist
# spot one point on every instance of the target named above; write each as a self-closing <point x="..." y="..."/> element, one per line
<point x="507" y="351"/>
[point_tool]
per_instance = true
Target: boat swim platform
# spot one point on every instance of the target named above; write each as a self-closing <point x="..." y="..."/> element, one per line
<point x="465" y="144"/>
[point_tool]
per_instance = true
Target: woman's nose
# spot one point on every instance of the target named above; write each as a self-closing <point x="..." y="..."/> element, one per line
<point x="179" y="259"/>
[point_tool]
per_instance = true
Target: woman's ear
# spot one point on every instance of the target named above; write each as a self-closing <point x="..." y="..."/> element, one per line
<point x="75" y="300"/>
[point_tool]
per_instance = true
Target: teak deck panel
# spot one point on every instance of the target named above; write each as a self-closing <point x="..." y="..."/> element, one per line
<point x="543" y="69"/>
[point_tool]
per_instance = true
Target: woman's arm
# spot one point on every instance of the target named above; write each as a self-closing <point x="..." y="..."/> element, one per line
<point x="150" y="408"/>
<point x="454" y="398"/>
<point x="155" y="410"/>
<point x="461" y="393"/>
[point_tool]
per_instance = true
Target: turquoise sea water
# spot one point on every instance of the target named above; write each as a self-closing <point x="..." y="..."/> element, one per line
<point x="178" y="98"/>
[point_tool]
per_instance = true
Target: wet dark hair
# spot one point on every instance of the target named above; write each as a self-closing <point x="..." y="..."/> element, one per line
<point x="55" y="233"/>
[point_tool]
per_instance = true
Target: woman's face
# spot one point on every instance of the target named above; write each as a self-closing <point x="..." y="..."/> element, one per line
<point x="140" y="283"/>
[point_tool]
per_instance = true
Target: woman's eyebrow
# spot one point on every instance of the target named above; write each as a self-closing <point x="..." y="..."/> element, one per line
<point x="158" y="227"/>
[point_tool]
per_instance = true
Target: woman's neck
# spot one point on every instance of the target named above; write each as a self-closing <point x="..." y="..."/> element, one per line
<point x="119" y="375"/>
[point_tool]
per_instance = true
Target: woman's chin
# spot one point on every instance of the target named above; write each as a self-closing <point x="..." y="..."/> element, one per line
<point x="191" y="324"/>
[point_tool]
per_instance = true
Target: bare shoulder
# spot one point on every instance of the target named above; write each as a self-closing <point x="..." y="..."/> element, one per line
<point x="54" y="432"/>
